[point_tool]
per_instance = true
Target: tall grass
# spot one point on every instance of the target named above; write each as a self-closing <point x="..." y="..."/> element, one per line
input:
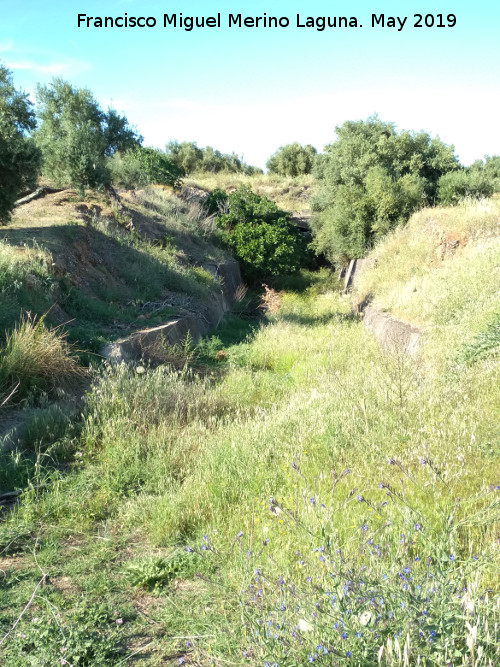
<point x="36" y="356"/>
<point x="333" y="503"/>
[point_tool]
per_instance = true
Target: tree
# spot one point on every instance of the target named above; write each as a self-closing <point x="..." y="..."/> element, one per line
<point x="490" y="168"/>
<point x="457" y="185"/>
<point x="19" y="157"/>
<point x="75" y="135"/>
<point x="188" y="157"/>
<point x="259" y="234"/>
<point x="292" y="160"/>
<point x="371" y="179"/>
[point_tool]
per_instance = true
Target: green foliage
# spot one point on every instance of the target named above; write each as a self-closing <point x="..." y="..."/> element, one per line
<point x="490" y="167"/>
<point x="142" y="166"/>
<point x="485" y="345"/>
<point x="456" y="185"/>
<point x="84" y="637"/>
<point x="75" y="135"/>
<point x="371" y="179"/>
<point x="260" y="235"/>
<point x="216" y="201"/>
<point x="155" y="573"/>
<point x="19" y="158"/>
<point x="292" y="160"/>
<point x="190" y="158"/>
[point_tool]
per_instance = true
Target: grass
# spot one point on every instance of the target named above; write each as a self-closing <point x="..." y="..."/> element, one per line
<point x="290" y="194"/>
<point x="316" y="500"/>
<point x="37" y="357"/>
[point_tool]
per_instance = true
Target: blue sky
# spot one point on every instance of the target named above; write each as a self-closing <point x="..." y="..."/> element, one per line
<point x="252" y="90"/>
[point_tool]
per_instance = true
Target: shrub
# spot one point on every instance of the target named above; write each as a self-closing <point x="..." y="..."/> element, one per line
<point x="457" y="185"/>
<point x="141" y="166"/>
<point x="19" y="158"/>
<point x="292" y="160"/>
<point x="260" y="235"/>
<point x="35" y="356"/>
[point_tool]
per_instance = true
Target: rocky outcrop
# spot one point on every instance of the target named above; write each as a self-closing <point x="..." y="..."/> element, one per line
<point x="150" y="344"/>
<point x="392" y="334"/>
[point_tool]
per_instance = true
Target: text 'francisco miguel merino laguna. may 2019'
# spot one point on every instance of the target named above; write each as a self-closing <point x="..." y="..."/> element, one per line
<point x="239" y="21"/>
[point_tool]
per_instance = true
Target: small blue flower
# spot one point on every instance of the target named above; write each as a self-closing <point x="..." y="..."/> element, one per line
<point x="363" y="527"/>
<point x="359" y="498"/>
<point x="451" y="557"/>
<point x="312" y="501"/>
<point x="358" y="634"/>
<point x="344" y="635"/>
<point x="348" y="654"/>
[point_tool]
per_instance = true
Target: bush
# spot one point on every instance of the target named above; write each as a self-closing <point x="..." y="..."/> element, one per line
<point x="141" y="166"/>
<point x="19" y="158"/>
<point x="259" y="234"/>
<point x="35" y="356"/>
<point x="292" y="160"/>
<point x="456" y="185"/>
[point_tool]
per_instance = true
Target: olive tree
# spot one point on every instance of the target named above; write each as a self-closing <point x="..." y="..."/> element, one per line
<point x="19" y="157"/>
<point x="75" y="135"/>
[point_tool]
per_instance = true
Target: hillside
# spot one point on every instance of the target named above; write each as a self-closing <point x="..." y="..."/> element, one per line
<point x="105" y="268"/>
<point x="277" y="510"/>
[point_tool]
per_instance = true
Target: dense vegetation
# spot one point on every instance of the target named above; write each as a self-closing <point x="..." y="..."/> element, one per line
<point x="371" y="179"/>
<point x="292" y="160"/>
<point x="258" y="233"/>
<point x="141" y="166"/>
<point x="189" y="158"/>
<point x="19" y="158"/>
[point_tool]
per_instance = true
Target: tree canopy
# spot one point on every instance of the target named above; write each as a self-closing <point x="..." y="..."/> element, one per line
<point x="190" y="158"/>
<point x="75" y="135"/>
<point x="292" y="160"/>
<point x="371" y="179"/>
<point x="19" y="157"/>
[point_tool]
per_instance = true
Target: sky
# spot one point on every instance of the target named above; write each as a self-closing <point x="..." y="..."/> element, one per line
<point x="252" y="90"/>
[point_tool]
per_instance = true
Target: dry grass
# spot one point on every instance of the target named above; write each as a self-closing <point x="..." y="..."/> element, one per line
<point x="290" y="194"/>
<point x="35" y="355"/>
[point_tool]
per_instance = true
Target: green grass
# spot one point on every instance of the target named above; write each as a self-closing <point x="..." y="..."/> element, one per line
<point x="314" y="493"/>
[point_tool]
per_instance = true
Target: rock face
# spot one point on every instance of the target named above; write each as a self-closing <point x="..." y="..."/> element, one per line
<point x="392" y="334"/>
<point x="145" y="344"/>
